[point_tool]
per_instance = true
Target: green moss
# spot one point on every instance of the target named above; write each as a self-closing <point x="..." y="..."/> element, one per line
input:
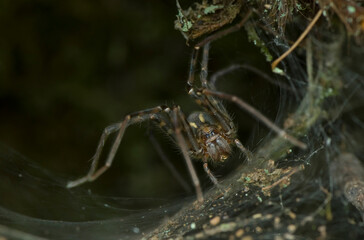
<point x="185" y="25"/>
<point x="351" y="9"/>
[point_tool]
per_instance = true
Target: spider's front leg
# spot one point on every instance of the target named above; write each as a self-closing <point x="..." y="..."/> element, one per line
<point x="177" y="117"/>
<point x="120" y="127"/>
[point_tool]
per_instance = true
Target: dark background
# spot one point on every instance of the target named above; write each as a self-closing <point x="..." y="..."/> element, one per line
<point x="70" y="68"/>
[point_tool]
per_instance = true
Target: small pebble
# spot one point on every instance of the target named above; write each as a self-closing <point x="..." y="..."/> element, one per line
<point x="257" y="215"/>
<point x="136" y="230"/>
<point x="291" y="228"/>
<point x="247" y="238"/>
<point x="239" y="233"/>
<point x="214" y="221"/>
<point x="292" y="215"/>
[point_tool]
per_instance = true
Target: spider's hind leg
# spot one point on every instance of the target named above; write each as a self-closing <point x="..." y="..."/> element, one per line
<point x="256" y="114"/>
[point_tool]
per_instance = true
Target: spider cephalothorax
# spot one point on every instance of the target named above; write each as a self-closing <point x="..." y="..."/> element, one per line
<point x="214" y="142"/>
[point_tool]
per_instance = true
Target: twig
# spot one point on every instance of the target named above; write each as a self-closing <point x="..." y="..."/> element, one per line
<point x="293" y="171"/>
<point x="298" y="41"/>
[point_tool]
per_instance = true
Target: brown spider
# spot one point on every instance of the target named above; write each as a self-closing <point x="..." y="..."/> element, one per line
<point x="205" y="135"/>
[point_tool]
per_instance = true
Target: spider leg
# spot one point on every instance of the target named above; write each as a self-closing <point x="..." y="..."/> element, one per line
<point x="209" y="39"/>
<point x="176" y="116"/>
<point x="204" y="64"/>
<point x="193" y="62"/>
<point x="187" y="128"/>
<point x="255" y="113"/>
<point x="243" y="149"/>
<point x="166" y="123"/>
<point x="210" y="100"/>
<point x="205" y="165"/>
<point x="217" y="75"/>
<point x="130" y="119"/>
<point x="209" y="103"/>
<point x="209" y="173"/>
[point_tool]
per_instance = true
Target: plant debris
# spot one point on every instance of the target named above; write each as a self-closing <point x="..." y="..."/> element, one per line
<point x="266" y="179"/>
<point x="206" y="17"/>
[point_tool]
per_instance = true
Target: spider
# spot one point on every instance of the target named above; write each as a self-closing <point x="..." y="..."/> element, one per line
<point x="206" y="135"/>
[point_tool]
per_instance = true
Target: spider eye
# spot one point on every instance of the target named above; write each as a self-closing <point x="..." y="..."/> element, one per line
<point x="210" y="134"/>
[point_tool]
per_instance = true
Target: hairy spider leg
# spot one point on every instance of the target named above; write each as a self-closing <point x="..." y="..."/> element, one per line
<point x="129" y="119"/>
<point x="211" y="101"/>
<point x="222" y="72"/>
<point x="209" y="173"/>
<point x="193" y="63"/>
<point x="168" y="127"/>
<point x="211" y="38"/>
<point x="187" y="128"/>
<point x="174" y="118"/>
<point x="221" y="114"/>
<point x="204" y="65"/>
<point x="177" y="116"/>
<point x="255" y="113"/>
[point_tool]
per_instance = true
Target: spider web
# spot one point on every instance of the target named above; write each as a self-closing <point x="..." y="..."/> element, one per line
<point x="35" y="204"/>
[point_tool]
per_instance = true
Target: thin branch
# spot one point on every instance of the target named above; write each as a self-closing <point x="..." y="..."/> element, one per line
<point x="298" y="41"/>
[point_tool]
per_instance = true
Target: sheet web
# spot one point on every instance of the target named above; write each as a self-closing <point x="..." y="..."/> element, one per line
<point x="35" y="204"/>
<point x="312" y="194"/>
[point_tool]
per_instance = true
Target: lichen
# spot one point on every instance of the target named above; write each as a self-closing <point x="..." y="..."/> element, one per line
<point x="203" y="18"/>
<point x="212" y="9"/>
<point x="253" y="37"/>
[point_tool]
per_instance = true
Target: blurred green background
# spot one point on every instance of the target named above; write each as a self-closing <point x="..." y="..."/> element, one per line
<point x="70" y="68"/>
